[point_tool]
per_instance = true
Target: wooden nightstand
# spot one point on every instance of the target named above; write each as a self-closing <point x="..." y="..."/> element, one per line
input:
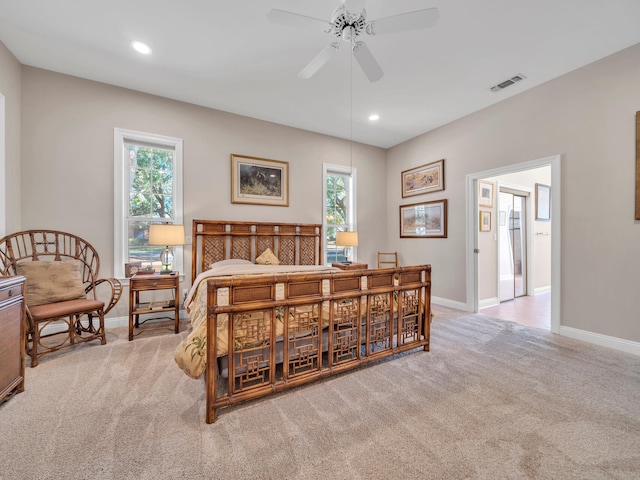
<point x="351" y="266"/>
<point x="142" y="282"/>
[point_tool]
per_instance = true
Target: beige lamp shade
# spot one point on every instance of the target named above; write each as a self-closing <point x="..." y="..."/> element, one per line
<point x="347" y="239"/>
<point x="166" y="234"/>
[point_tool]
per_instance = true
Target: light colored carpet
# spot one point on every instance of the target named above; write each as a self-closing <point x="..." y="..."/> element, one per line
<point x="492" y="400"/>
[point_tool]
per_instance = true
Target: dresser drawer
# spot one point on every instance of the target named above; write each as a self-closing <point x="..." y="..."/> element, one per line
<point x="8" y="292"/>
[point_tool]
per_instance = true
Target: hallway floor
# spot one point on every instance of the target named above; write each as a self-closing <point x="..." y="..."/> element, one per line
<point x="534" y="311"/>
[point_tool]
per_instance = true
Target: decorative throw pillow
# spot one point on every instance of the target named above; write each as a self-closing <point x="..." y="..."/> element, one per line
<point x="50" y="282"/>
<point x="267" y="258"/>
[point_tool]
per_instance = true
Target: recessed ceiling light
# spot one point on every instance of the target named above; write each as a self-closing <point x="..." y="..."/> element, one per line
<point x="374" y="116"/>
<point x="140" y="47"/>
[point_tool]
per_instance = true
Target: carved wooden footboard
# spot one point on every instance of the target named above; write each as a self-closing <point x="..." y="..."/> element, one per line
<point x="330" y="323"/>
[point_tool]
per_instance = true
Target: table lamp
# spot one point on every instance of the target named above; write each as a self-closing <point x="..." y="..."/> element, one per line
<point x="166" y="234"/>
<point x="347" y="240"/>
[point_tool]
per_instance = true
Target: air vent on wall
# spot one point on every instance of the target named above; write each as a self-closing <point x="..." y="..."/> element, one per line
<point x="507" y="83"/>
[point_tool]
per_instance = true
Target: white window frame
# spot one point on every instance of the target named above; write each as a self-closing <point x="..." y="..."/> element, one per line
<point x="351" y="172"/>
<point x="121" y="192"/>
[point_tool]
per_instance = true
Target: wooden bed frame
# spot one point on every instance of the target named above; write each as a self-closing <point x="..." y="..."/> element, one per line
<point x="333" y="321"/>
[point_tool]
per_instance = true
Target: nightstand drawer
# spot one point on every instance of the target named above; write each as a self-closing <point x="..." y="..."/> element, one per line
<point x="152" y="282"/>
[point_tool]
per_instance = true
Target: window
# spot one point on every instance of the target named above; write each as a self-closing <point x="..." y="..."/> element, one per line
<point x="148" y="189"/>
<point x="339" y="209"/>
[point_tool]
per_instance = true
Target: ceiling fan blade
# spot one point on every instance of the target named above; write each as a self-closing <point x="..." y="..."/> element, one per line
<point x="405" y="21"/>
<point x="323" y="57"/>
<point x="296" y="20"/>
<point x="368" y="64"/>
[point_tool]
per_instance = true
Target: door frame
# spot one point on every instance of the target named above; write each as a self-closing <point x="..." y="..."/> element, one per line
<point x="472" y="231"/>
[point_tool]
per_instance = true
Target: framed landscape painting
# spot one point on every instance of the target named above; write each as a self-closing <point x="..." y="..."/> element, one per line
<point x="259" y="181"/>
<point x="425" y="179"/>
<point x="424" y="220"/>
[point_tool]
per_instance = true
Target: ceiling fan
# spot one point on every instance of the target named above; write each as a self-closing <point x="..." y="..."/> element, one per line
<point x="348" y="26"/>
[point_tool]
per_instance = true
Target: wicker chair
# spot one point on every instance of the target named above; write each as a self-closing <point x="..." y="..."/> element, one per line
<point x="387" y="259"/>
<point x="61" y="289"/>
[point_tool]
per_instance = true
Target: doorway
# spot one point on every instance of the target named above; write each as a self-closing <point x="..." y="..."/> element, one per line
<point x="472" y="229"/>
<point x="512" y="253"/>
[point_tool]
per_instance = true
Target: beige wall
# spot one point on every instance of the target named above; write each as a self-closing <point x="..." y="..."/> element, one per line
<point x="586" y="116"/>
<point x="67" y="150"/>
<point x="10" y="79"/>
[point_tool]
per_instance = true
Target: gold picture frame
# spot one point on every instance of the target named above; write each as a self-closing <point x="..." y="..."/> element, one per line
<point x="637" y="165"/>
<point x="485" y="193"/>
<point x="424" y="179"/>
<point x="485" y="221"/>
<point x="424" y="220"/>
<point x="259" y="181"/>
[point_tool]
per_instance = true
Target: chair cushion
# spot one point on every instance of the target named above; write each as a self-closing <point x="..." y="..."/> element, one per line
<point x="51" y="281"/>
<point x="63" y="309"/>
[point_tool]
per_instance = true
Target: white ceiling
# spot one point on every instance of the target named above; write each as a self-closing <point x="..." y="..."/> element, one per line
<point x="226" y="55"/>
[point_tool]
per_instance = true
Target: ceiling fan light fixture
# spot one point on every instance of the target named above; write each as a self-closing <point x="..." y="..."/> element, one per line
<point x="141" y="47"/>
<point x="348" y="23"/>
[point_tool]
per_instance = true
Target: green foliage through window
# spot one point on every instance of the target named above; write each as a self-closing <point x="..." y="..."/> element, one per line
<point x="337" y="199"/>
<point x="151" y="197"/>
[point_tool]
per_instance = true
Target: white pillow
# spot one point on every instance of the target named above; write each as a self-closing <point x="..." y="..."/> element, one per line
<point x="231" y="261"/>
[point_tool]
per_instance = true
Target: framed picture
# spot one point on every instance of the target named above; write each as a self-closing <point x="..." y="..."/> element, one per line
<point x="424" y="220"/>
<point x="259" y="181"/>
<point x="543" y="202"/>
<point x="485" y="221"/>
<point x="425" y="179"/>
<point x="130" y="269"/>
<point x="485" y="193"/>
<point x="637" y="165"/>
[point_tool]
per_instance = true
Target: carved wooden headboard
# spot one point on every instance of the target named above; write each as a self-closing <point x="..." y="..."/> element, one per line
<point x="216" y="240"/>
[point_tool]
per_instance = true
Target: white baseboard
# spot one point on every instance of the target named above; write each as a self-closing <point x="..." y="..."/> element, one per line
<point x="445" y="302"/>
<point x="619" y="344"/>
<point x="541" y="290"/>
<point x="488" y="302"/>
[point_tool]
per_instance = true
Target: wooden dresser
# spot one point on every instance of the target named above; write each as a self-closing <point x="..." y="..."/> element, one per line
<point x="12" y="317"/>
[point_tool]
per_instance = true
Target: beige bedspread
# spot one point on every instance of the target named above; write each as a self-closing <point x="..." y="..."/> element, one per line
<point x="191" y="353"/>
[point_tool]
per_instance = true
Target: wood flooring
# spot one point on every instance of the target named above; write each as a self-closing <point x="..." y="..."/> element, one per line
<point x="534" y="311"/>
